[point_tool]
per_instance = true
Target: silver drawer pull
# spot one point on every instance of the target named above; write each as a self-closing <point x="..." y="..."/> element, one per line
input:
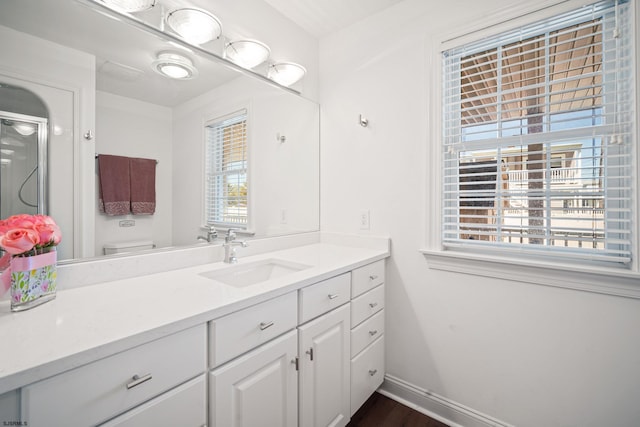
<point x="372" y="333"/>
<point x="373" y="277"/>
<point x="373" y="304"/>
<point x="372" y="372"/>
<point x="310" y="353"/>
<point x="137" y="380"/>
<point x="333" y="296"/>
<point x="265" y="325"/>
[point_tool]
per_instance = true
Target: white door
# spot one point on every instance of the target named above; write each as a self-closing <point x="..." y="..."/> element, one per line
<point x="259" y="388"/>
<point x="324" y="349"/>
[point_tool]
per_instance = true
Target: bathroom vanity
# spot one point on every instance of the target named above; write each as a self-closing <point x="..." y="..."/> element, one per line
<point x="283" y="338"/>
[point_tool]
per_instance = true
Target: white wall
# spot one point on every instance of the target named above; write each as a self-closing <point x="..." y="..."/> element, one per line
<point x="276" y="181"/>
<point x="131" y="128"/>
<point x="524" y="354"/>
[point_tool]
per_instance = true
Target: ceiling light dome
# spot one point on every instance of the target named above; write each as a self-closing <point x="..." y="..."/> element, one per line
<point x="175" y="66"/>
<point x="130" y="6"/>
<point x="25" y="129"/>
<point x="194" y="25"/>
<point x="286" y="73"/>
<point x="247" y="53"/>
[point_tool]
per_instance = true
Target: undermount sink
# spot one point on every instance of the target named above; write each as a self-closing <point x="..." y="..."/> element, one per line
<point x="255" y="272"/>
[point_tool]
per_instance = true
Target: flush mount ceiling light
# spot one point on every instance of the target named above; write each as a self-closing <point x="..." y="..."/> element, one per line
<point x="130" y="6"/>
<point x="247" y="53"/>
<point x="194" y="25"/>
<point x="286" y="73"/>
<point x="175" y="66"/>
<point x="23" y="128"/>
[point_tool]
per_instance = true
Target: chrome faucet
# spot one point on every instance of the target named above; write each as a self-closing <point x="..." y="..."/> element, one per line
<point x="212" y="234"/>
<point x="229" y="243"/>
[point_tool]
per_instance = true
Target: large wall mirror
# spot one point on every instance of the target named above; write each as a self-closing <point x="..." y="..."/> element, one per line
<point x="93" y="71"/>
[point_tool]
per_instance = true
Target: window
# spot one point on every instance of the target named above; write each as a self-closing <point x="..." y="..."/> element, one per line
<point x="226" y="172"/>
<point x="537" y="138"/>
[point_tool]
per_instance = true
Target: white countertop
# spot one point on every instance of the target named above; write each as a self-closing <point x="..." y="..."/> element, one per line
<point x="88" y="323"/>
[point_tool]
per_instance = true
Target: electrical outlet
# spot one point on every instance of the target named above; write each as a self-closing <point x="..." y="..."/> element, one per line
<point x="364" y="219"/>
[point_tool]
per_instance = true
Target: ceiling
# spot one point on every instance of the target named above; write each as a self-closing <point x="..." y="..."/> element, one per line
<point x="321" y="17"/>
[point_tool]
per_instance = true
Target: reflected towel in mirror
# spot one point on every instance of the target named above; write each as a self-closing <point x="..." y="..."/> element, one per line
<point x="142" y="173"/>
<point x="114" y="188"/>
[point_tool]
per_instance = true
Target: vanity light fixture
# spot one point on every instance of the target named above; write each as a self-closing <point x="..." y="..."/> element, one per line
<point x="175" y="66"/>
<point x="130" y="6"/>
<point x="247" y="53"/>
<point x="286" y="73"/>
<point x="194" y="25"/>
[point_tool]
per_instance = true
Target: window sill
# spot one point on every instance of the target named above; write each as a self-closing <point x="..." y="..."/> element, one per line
<point x="608" y="281"/>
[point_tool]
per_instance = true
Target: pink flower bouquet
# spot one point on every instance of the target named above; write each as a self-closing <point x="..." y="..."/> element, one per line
<point x="29" y="262"/>
<point x="26" y="235"/>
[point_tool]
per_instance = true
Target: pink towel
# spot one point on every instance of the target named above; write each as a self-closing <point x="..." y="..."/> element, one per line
<point x="114" y="188"/>
<point x="143" y="186"/>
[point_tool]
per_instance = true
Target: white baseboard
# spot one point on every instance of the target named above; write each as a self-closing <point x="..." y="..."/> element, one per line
<point x="435" y="406"/>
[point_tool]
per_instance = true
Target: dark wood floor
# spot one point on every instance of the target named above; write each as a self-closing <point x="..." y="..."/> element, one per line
<point x="380" y="411"/>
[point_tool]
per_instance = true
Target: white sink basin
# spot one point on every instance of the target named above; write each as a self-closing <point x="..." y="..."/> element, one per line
<point x="255" y="272"/>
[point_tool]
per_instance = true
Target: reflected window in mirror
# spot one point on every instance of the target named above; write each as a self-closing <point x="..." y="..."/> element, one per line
<point x="225" y="204"/>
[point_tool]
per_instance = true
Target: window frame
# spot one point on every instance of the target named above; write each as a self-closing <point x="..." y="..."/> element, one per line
<point x="212" y="119"/>
<point x="542" y="270"/>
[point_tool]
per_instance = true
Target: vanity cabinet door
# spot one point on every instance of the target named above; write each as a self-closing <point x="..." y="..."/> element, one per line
<point x="324" y="351"/>
<point x="259" y="388"/>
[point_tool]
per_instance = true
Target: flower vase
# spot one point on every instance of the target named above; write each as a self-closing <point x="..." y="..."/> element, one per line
<point x="33" y="280"/>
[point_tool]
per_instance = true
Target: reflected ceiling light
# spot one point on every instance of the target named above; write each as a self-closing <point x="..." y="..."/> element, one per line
<point x="247" y="53"/>
<point x="286" y="73"/>
<point x="175" y="66"/>
<point x="194" y="25"/>
<point x="130" y="6"/>
<point x="24" y="129"/>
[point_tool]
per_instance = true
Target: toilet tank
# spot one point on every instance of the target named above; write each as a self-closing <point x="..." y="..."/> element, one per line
<point x="123" y="247"/>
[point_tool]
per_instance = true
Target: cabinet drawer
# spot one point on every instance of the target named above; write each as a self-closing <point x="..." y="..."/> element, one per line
<point x="243" y="330"/>
<point x="366" y="278"/>
<point x="96" y="392"/>
<point x="323" y="296"/>
<point x="185" y="405"/>
<point x="366" y="305"/>
<point x="367" y="332"/>
<point x="367" y="373"/>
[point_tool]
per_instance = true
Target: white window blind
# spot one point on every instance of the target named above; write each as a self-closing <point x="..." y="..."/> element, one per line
<point x="226" y="172"/>
<point x="538" y="142"/>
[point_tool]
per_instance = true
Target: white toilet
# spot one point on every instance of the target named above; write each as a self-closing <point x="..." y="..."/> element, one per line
<point x="123" y="247"/>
